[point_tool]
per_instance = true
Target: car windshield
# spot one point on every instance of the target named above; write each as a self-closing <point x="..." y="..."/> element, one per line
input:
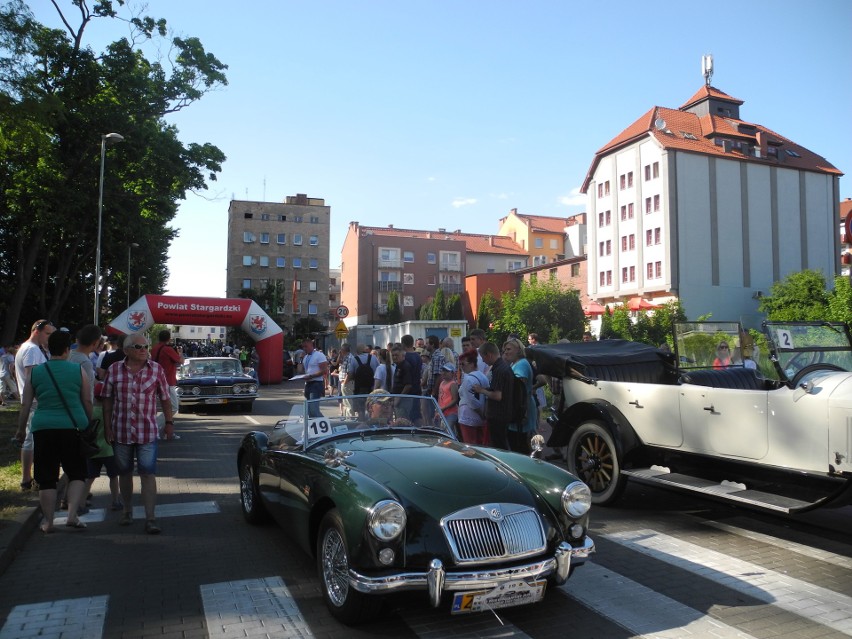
<point x="313" y="421"/>
<point x="800" y="344"/>
<point x="213" y="366"/>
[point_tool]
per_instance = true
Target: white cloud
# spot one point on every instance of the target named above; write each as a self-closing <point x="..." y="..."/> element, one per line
<point x="463" y="201"/>
<point x="574" y="198"/>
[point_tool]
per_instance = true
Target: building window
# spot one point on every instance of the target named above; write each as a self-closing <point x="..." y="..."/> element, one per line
<point x="601" y="249"/>
<point x="264" y="238"/>
<point x="575" y="270"/>
<point x="262" y="284"/>
<point x="656" y="169"/>
<point x="630" y="211"/>
<point x="623" y="213"/>
<point x="313" y="263"/>
<point x="632" y="273"/>
<point x="248" y="216"/>
<point x="608" y="216"/>
<point x="388" y="276"/>
<point x="297" y="262"/>
<point x="281" y="238"/>
<point x="602" y="278"/>
<point x="408" y="256"/>
<point x="657" y="235"/>
<point x="539" y="243"/>
<point x="246" y="260"/>
<point x="656" y="202"/>
<point x="408" y="300"/>
<point x="312" y="309"/>
<point x="553" y="245"/>
<point x="600" y="219"/>
<point x="314" y="219"/>
<point x="431" y="258"/>
<point x="282" y="218"/>
<point x="622" y="182"/>
<point x="408" y="279"/>
<point x="629" y="179"/>
<point x="514" y="265"/>
<point x="600" y="190"/>
<point x="264" y="260"/>
<point x="647" y="205"/>
<point x="450" y="260"/>
<point x="623" y="243"/>
<point x="248" y="237"/>
<point x="658" y="269"/>
<point x="297" y="239"/>
<point x="297" y="218"/>
<point x="623" y="274"/>
<point x="246" y="283"/>
<point x="609" y="247"/>
<point x="312" y="286"/>
<point x="631" y="244"/>
<point x="648" y="238"/>
<point x="314" y="240"/>
<point x="298" y="285"/>
<point x="280" y="262"/>
<point x="647" y="172"/>
<point x="606" y="187"/>
<point x="264" y="217"/>
<point x="431" y="280"/>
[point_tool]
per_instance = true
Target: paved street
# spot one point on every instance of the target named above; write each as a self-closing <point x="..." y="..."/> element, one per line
<point x="667" y="565"/>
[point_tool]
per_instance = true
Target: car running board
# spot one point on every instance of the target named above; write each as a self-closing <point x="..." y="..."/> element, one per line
<point x="730" y="491"/>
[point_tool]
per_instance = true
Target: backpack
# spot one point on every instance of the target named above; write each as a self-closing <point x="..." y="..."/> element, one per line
<point x="363" y="376"/>
<point x="518" y="409"/>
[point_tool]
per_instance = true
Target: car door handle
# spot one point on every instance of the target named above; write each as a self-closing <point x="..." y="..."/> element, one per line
<point x="636" y="403"/>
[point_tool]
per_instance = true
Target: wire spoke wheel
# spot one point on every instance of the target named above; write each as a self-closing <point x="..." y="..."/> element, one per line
<point x="592" y="458"/>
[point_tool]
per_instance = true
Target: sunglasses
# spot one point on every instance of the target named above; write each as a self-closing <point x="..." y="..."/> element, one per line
<point x="42" y="324"/>
<point x="723" y="348"/>
<point x="140" y="347"/>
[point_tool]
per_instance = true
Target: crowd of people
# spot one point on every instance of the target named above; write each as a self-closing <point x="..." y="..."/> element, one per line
<point x="475" y="389"/>
<point x="67" y="383"/>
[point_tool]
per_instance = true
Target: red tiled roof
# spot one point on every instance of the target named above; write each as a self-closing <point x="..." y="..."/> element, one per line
<point x="705" y="129"/>
<point x="545" y="224"/>
<point x="474" y="242"/>
<point x="845" y="208"/>
<point x="709" y="92"/>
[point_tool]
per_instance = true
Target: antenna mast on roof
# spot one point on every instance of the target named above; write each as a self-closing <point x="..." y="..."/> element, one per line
<point x="707" y="68"/>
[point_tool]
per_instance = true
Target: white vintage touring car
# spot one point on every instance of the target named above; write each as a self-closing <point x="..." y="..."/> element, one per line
<point x="771" y="432"/>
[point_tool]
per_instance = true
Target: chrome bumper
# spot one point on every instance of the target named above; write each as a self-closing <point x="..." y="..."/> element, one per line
<point x="437" y="580"/>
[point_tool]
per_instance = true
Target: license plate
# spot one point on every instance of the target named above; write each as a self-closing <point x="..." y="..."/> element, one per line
<point x="514" y="593"/>
<point x="216" y="400"/>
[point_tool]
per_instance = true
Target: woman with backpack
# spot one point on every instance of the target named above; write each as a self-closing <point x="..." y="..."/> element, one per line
<point x="523" y="422"/>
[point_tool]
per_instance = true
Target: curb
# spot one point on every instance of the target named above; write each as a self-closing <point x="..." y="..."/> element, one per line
<point x="15" y="534"/>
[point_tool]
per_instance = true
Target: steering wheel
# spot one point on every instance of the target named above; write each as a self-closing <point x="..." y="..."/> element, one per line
<point x="807" y="370"/>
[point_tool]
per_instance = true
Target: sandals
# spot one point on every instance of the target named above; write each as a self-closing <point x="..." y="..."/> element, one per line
<point x="76" y="525"/>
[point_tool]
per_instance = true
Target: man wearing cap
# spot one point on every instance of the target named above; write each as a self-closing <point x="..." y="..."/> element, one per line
<point x="315" y="364"/>
<point x="31" y="353"/>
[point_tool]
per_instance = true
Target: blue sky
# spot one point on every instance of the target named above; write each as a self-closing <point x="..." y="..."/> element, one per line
<point x="449" y="114"/>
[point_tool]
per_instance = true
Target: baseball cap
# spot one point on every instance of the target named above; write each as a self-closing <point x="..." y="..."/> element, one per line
<point x="450" y="368"/>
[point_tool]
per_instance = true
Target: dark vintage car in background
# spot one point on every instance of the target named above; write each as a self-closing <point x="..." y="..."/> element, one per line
<point x="769" y="427"/>
<point x="385" y="506"/>
<point x="215" y="381"/>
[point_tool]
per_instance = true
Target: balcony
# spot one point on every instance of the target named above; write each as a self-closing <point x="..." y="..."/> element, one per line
<point x="395" y="263"/>
<point x="386" y="286"/>
<point x="451" y="289"/>
<point x="450" y="267"/>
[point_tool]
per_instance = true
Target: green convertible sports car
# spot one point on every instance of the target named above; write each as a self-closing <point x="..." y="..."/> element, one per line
<point x="386" y="506"/>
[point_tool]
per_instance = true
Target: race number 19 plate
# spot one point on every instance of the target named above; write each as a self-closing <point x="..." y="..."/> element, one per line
<point x="514" y="593"/>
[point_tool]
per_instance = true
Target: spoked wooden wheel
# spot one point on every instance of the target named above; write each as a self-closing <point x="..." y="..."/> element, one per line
<point x="593" y="459"/>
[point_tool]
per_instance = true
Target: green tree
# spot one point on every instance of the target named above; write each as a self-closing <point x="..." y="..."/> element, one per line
<point x="800" y="297"/>
<point x="545" y="307"/>
<point x="426" y="311"/>
<point x="454" y="307"/>
<point x="394" y="314"/>
<point x="840" y="301"/>
<point x="58" y="97"/>
<point x="489" y="309"/>
<point x="439" y="305"/>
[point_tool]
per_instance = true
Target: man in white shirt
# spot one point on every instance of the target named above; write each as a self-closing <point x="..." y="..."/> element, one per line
<point x="315" y="364"/>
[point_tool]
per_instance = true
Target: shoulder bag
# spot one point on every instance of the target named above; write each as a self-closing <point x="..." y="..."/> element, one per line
<point x="89" y="435"/>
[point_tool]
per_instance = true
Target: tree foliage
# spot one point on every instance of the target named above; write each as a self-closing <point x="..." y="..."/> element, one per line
<point x="454" y="307"/>
<point x="58" y="97"/>
<point x="800" y="297"/>
<point x="439" y="305"/>
<point x="394" y="314"/>
<point x="489" y="309"/>
<point x="543" y="306"/>
<point x="654" y="327"/>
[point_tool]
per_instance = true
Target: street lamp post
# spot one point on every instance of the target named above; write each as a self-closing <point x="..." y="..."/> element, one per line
<point x="129" y="246"/>
<point x="109" y="138"/>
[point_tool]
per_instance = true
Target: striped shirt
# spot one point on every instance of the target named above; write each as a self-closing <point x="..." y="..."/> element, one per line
<point x="134" y="410"/>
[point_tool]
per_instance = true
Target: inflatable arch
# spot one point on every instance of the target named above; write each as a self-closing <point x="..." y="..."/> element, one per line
<point x="213" y="311"/>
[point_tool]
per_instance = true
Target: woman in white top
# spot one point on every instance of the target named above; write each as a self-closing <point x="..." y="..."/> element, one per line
<point x="472" y="426"/>
<point x="383" y="376"/>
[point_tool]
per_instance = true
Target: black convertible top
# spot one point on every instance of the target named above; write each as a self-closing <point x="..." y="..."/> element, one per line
<point x="557" y="359"/>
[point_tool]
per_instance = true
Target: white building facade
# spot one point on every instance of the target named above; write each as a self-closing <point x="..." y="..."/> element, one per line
<point x="697" y="204"/>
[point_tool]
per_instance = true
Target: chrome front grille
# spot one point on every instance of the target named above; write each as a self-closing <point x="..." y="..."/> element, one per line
<point x="494" y="532"/>
<point x="215" y="391"/>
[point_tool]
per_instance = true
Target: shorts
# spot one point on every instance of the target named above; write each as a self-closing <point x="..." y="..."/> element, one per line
<point x="28" y="439"/>
<point x="145" y="454"/>
<point x="55" y="447"/>
<point x="95" y="464"/>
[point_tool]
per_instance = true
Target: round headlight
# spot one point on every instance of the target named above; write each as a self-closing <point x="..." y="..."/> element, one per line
<point x="576" y="499"/>
<point x="387" y="520"/>
<point x="179" y="390"/>
<point x="252" y="388"/>
<point x="196" y="390"/>
<point x="238" y="389"/>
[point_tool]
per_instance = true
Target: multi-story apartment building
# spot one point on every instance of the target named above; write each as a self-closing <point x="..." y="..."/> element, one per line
<point x="544" y="238"/>
<point x="284" y="245"/>
<point x="379" y="260"/>
<point x="700" y="204"/>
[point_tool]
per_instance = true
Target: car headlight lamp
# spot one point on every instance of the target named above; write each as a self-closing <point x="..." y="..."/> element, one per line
<point x="238" y="390"/>
<point x="251" y="388"/>
<point x="196" y="390"/>
<point x="387" y="520"/>
<point x="576" y="499"/>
